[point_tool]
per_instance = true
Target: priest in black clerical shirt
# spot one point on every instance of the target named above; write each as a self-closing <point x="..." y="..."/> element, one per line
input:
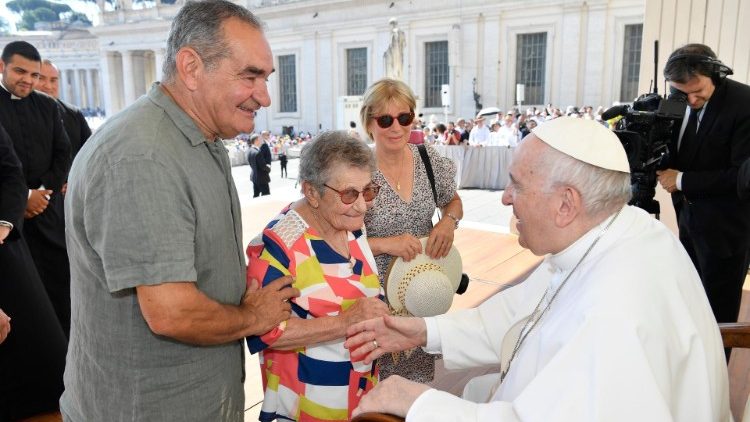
<point x="34" y="123"/>
<point x="75" y="124"/>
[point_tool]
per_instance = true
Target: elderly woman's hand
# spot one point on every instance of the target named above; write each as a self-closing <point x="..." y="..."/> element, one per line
<point x="406" y="246"/>
<point x="365" y="308"/>
<point x="441" y="239"/>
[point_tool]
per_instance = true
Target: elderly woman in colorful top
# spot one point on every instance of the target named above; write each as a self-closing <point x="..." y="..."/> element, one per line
<point x="403" y="211"/>
<point x="321" y="241"/>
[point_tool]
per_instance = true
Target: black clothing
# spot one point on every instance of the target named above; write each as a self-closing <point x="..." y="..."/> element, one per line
<point x="743" y="180"/>
<point x="76" y="127"/>
<point x="465" y="137"/>
<point x="714" y="223"/>
<point x="35" y="126"/>
<point x="78" y="132"/>
<point x="282" y="163"/>
<point x="32" y="358"/>
<point x="259" y="159"/>
<point x="13" y="192"/>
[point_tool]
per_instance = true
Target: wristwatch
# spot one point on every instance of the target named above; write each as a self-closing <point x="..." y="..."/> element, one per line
<point x="455" y="219"/>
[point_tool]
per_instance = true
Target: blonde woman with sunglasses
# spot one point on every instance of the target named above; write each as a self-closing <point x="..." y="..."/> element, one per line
<point x="402" y="212"/>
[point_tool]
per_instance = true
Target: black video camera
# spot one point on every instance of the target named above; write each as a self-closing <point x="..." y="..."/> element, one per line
<point x="646" y="130"/>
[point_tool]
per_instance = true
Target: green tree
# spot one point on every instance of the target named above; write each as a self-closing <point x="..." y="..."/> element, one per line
<point x="33" y="11"/>
<point x="22" y="6"/>
<point x="42" y="14"/>
<point x="77" y="17"/>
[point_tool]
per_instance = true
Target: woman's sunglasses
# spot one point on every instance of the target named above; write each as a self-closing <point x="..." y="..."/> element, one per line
<point x="385" y="121"/>
<point x="348" y="196"/>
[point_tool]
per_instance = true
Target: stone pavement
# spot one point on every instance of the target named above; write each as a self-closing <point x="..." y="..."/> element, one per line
<point x="482" y="211"/>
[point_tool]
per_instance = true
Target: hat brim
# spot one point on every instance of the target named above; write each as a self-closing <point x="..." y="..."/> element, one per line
<point x="451" y="265"/>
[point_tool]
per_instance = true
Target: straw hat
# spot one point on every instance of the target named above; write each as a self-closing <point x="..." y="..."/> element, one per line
<point x="424" y="286"/>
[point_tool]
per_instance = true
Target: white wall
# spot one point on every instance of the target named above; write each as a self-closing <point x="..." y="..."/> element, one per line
<point x="583" y="63"/>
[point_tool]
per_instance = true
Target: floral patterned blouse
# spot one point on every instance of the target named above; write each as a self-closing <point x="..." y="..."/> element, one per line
<point x="392" y="216"/>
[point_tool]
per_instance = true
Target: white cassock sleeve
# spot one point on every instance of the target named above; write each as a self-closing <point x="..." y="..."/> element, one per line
<point x="602" y="374"/>
<point x="472" y="337"/>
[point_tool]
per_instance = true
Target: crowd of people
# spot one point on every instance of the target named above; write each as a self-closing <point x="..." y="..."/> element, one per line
<point x="491" y="129"/>
<point x="495" y="127"/>
<point x="127" y="292"/>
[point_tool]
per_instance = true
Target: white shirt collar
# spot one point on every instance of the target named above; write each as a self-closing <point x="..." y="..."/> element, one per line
<point x="12" y="96"/>
<point x="566" y="260"/>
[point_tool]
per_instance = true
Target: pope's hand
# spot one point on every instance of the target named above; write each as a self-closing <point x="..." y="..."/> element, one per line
<point x="394" y="395"/>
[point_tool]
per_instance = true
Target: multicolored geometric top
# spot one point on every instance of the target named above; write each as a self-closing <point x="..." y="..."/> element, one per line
<point x="317" y="382"/>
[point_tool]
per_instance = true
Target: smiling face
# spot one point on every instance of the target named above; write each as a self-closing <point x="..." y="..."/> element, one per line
<point x="533" y="206"/>
<point x="338" y="215"/>
<point x="49" y="80"/>
<point x="228" y="96"/>
<point x="20" y="75"/>
<point x="394" y="137"/>
<point x="698" y="89"/>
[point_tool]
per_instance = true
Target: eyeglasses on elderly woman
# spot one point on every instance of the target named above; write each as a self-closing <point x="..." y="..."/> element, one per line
<point x="348" y="196"/>
<point x="385" y="121"/>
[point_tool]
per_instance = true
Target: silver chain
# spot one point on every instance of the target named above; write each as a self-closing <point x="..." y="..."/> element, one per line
<point x="534" y="321"/>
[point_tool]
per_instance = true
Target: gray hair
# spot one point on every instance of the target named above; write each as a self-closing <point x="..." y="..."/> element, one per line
<point x="198" y="25"/>
<point x="329" y="149"/>
<point x="602" y="190"/>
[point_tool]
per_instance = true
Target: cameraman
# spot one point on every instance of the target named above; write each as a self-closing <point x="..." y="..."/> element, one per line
<point x="714" y="140"/>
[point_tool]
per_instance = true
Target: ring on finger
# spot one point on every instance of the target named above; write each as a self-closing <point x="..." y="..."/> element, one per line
<point x="375" y="343"/>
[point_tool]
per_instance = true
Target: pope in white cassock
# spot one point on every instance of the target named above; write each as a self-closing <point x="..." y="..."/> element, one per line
<point x="614" y="325"/>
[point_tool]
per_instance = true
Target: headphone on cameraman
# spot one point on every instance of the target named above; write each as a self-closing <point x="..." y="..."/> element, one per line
<point x="719" y="71"/>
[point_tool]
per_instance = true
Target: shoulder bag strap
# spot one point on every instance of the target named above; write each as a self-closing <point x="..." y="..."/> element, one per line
<point x="428" y="166"/>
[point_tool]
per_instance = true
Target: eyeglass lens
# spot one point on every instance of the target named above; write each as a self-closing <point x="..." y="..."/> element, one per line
<point x="385" y="121"/>
<point x="350" y="195"/>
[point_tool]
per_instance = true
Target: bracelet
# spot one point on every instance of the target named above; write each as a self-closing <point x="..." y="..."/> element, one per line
<point x="455" y="219"/>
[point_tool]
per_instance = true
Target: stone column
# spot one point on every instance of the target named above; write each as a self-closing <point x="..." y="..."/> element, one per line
<point x="158" y="62"/>
<point x="139" y="73"/>
<point x="89" y="88"/>
<point x="127" y="77"/>
<point x="76" y="88"/>
<point x="96" y="75"/>
<point x="109" y="90"/>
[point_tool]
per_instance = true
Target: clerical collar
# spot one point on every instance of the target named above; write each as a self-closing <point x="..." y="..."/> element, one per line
<point x="565" y="260"/>
<point x="12" y="95"/>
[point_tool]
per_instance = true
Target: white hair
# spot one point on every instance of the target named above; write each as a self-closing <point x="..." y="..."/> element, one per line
<point x="601" y="189"/>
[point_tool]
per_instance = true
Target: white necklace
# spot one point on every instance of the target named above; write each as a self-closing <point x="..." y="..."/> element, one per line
<point x="537" y="315"/>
